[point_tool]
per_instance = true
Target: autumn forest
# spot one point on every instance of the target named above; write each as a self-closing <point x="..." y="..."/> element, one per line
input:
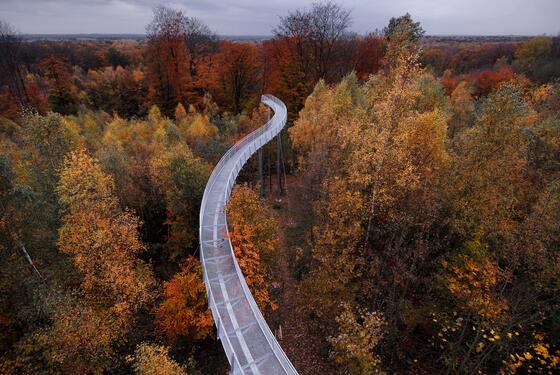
<point x="407" y="223"/>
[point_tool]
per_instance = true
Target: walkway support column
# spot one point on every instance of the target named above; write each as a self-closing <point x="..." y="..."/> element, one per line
<point x="261" y="173"/>
<point x="279" y="164"/>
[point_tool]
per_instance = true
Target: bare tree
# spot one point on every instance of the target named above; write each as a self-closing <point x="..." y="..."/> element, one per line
<point x="200" y="41"/>
<point x="316" y="38"/>
<point x="10" y="71"/>
<point x="176" y="46"/>
<point x="171" y="24"/>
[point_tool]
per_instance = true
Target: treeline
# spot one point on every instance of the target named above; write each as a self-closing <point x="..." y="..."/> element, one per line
<point x="182" y="60"/>
<point x="432" y="246"/>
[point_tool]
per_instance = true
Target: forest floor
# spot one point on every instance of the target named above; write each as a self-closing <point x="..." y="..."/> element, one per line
<point x="299" y="340"/>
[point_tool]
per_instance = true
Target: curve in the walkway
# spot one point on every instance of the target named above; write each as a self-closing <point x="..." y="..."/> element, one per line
<point x="250" y="346"/>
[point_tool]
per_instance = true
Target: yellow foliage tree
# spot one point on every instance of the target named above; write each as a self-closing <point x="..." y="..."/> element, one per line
<point x="474" y="278"/>
<point x="358" y="337"/>
<point x="180" y="113"/>
<point x="102" y="238"/>
<point x="104" y="244"/>
<point x="200" y="130"/>
<point x="151" y="359"/>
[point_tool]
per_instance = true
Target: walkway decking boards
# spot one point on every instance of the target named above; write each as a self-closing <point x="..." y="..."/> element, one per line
<point x="250" y="346"/>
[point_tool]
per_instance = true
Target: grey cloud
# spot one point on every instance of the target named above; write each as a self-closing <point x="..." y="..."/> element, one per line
<point x="260" y="16"/>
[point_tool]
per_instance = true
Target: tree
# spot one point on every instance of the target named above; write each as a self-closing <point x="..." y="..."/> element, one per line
<point x="102" y="238"/>
<point x="116" y="58"/>
<point x="371" y="214"/>
<point x="14" y="200"/>
<point x="474" y="278"/>
<point x="176" y="46"/>
<point x="10" y="69"/>
<point x="152" y="359"/>
<point x="168" y="59"/>
<point x="235" y="86"/>
<point x="462" y="106"/>
<point x="488" y="81"/>
<point x="181" y="177"/>
<point x="288" y="81"/>
<point x="403" y="35"/>
<point x="315" y="39"/>
<point x="369" y="55"/>
<point x="63" y="97"/>
<point x="117" y="90"/>
<point x="201" y="44"/>
<point x="180" y="113"/>
<point x="199" y="130"/>
<point x="105" y="246"/>
<point x="403" y="28"/>
<point x="254" y="239"/>
<point x="494" y="154"/>
<point x="530" y="52"/>
<point x="184" y="311"/>
<point x="358" y="337"/>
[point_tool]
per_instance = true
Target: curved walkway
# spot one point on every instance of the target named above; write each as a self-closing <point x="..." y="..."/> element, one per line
<point x="250" y="346"/>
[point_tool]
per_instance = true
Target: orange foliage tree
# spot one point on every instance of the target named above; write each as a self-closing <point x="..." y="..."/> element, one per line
<point x="488" y="81"/>
<point x="254" y="239"/>
<point x="167" y="55"/>
<point x="235" y="84"/>
<point x="104" y="243"/>
<point x="184" y="311"/>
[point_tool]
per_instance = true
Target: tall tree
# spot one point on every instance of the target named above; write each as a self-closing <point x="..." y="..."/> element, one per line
<point x="102" y="238"/>
<point x="168" y="69"/>
<point x="184" y="311"/>
<point x="405" y="28"/>
<point x="105" y="246"/>
<point x="176" y="46"/>
<point x="254" y="240"/>
<point x="235" y="83"/>
<point x="315" y="39"/>
<point x="10" y="70"/>
<point x="63" y="97"/>
<point x="403" y="35"/>
<point x="313" y="36"/>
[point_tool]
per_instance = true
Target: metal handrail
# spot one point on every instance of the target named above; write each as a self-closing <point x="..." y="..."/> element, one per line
<point x="241" y="151"/>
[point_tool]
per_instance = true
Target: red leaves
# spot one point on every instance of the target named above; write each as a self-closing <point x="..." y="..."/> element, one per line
<point x="488" y="81"/>
<point x="184" y="312"/>
<point x="483" y="83"/>
<point x="369" y="55"/>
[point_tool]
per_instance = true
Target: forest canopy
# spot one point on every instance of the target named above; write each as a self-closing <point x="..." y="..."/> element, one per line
<point x="418" y="231"/>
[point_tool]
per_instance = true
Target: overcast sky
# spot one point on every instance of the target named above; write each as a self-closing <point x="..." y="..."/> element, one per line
<point x="258" y="17"/>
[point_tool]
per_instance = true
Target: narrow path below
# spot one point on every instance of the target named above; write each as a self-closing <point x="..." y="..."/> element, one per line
<point x="300" y="340"/>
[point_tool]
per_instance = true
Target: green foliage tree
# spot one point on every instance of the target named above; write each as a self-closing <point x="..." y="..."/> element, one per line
<point x="403" y="28"/>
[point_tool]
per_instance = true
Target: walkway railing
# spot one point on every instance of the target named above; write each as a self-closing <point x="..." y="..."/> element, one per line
<point x="250" y="346"/>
